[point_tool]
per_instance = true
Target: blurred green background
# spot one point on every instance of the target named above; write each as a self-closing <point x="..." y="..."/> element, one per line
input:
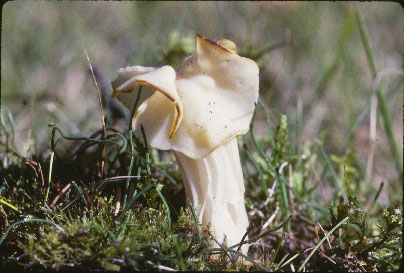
<point x="315" y="71"/>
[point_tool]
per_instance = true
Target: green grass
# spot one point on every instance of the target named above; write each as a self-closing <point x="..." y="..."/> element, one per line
<point x="152" y="232"/>
<point x="74" y="196"/>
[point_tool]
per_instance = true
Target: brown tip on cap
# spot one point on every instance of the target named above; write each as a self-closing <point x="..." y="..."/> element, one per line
<point x="223" y="44"/>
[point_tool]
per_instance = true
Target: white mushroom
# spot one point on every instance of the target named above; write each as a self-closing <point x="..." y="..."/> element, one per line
<point x="198" y="110"/>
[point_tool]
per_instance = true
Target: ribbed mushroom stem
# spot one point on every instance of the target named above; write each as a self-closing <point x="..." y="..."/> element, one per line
<point x="215" y="184"/>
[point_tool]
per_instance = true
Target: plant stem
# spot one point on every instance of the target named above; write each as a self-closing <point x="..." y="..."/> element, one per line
<point x="50" y="175"/>
<point x="387" y="121"/>
<point x="322" y="240"/>
<point x="132" y="149"/>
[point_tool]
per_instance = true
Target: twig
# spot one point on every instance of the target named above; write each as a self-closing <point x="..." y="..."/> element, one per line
<point x="270" y="219"/>
<point x="41" y="173"/>
<point x="318" y="238"/>
<point x="102" y="112"/>
<point x="56" y="187"/>
<point x="38" y="168"/>
<point x="328" y="240"/>
<point x="288" y="261"/>
<point x="244" y="236"/>
<point x="86" y="190"/>
<point x="60" y="194"/>
<point x="71" y="202"/>
<point x="328" y="258"/>
<point x="281" y="261"/>
<point x="225" y="251"/>
<point x="285" y="222"/>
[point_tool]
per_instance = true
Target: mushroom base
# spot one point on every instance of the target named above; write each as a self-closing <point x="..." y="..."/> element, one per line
<point x="215" y="186"/>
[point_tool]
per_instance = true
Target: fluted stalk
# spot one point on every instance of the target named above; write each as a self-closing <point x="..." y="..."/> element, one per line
<point x="215" y="186"/>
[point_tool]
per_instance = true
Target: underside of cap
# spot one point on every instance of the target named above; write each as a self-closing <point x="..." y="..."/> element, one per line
<point x="200" y="105"/>
<point x="161" y="80"/>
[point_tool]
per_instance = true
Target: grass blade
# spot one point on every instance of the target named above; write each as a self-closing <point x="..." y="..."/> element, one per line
<point x="384" y="109"/>
<point x="4" y="202"/>
<point x="322" y="240"/>
<point x="27" y="220"/>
